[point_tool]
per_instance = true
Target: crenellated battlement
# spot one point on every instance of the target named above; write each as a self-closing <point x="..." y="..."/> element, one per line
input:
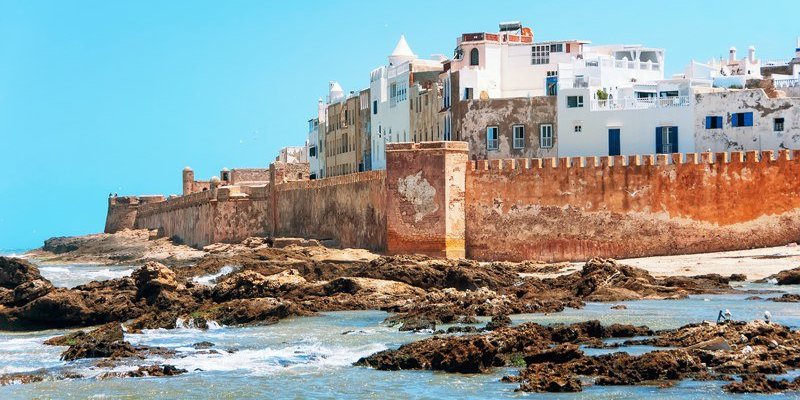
<point x="658" y="160"/>
<point x="332" y="181"/>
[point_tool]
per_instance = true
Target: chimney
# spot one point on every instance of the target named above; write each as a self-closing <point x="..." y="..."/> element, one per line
<point x="751" y="54"/>
<point x="732" y="56"/>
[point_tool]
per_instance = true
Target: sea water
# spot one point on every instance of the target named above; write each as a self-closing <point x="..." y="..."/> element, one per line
<point x="311" y="357"/>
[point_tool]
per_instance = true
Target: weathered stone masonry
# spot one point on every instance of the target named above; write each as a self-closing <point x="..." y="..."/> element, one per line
<point x="574" y="209"/>
<point x="433" y="200"/>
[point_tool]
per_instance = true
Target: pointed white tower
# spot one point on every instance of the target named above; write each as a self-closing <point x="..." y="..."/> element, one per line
<point x="402" y="52"/>
<point x="335" y="92"/>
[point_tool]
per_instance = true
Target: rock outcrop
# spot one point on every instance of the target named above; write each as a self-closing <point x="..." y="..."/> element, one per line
<point x="553" y="362"/>
<point x="788" y="277"/>
<point x="105" y="341"/>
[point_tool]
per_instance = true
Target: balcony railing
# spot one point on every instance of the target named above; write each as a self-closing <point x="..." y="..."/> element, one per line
<point x="784" y="83"/>
<point x="637" y="104"/>
<point x="623" y="64"/>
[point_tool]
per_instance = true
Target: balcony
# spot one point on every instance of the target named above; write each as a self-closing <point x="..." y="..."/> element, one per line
<point x="786" y="83"/>
<point x="639" y="104"/>
<point x="620" y="64"/>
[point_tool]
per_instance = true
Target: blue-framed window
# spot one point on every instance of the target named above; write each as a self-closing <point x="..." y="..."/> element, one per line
<point x="492" y="138"/>
<point x="742" y="119"/>
<point x="714" y="122"/>
<point x="666" y="139"/>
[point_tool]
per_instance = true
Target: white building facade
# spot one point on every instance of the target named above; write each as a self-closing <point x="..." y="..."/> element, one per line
<point x="390" y="110"/>
<point x="635" y="123"/>
<point x="745" y="120"/>
<point x="316" y="131"/>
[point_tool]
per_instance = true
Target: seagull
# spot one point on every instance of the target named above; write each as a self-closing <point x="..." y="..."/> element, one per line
<point x="634" y="193"/>
<point x="767" y="316"/>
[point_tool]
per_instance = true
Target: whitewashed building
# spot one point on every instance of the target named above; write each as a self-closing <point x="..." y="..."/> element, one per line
<point x="644" y="118"/>
<point x="293" y="155"/>
<point x="744" y="120"/>
<point x="314" y="143"/>
<point x="508" y="64"/>
<point x="786" y="73"/>
<point x="732" y="73"/>
<point x="389" y="90"/>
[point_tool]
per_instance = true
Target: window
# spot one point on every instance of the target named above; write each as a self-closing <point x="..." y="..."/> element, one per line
<point x="578" y="128"/>
<point x="778" y="124"/>
<point x="312" y="151"/>
<point x="468" y="93"/>
<point x="666" y="139"/>
<point x="374" y="107"/>
<point x="474" y="57"/>
<point x="540" y="54"/>
<point x="742" y="119"/>
<point x="492" y="141"/>
<point x="546" y="136"/>
<point x="574" y="101"/>
<point x="557" y="48"/>
<point x="447" y="128"/>
<point x="713" y="122"/>
<point x="519" y="136"/>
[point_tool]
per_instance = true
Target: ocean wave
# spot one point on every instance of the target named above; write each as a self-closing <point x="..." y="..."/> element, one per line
<point x="78" y="274"/>
<point x="301" y="358"/>
<point x="189" y="324"/>
<point x="54" y="270"/>
<point x="210" y="280"/>
<point x="13" y="252"/>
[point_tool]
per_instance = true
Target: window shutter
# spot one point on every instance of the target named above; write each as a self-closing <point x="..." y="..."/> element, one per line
<point x="708" y="122"/>
<point x="673" y="139"/>
<point x="748" y="119"/>
<point x="659" y="132"/>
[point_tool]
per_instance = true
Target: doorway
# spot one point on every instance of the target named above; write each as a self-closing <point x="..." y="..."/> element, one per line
<point x="614" y="148"/>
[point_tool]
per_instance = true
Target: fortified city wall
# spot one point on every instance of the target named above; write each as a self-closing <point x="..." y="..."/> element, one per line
<point x="433" y="200"/>
<point x="349" y="209"/>
<point x="575" y="209"/>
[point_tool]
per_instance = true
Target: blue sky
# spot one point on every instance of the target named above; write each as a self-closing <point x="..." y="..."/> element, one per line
<point x="119" y="96"/>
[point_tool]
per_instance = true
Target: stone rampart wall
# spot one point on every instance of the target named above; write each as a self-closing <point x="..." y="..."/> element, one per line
<point x="575" y="209"/>
<point x="432" y="200"/>
<point x="350" y="209"/>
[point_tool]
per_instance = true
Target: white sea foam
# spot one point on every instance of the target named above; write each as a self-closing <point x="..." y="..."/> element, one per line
<point x="189" y="324"/>
<point x="298" y="358"/>
<point x="210" y="280"/>
<point x="78" y="274"/>
<point x="54" y="270"/>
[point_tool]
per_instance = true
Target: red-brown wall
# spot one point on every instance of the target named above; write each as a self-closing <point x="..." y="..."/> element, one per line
<point x="582" y="208"/>
<point x="433" y="200"/>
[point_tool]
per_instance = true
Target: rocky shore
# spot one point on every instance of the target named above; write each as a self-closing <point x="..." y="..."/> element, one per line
<point x="553" y="361"/>
<point x="261" y="281"/>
